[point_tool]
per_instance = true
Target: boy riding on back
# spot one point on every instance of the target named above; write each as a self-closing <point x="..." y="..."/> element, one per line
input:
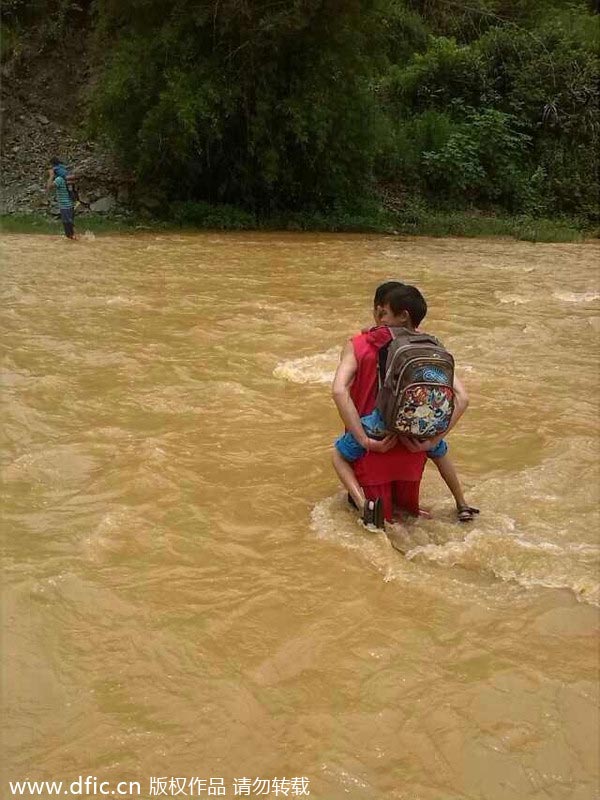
<point x="402" y="308"/>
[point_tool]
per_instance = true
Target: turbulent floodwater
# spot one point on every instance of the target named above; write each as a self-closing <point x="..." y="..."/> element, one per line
<point x="185" y="593"/>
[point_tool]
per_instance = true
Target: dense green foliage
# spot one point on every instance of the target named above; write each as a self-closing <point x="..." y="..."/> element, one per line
<point x="507" y="117"/>
<point x="312" y="105"/>
<point x="263" y="104"/>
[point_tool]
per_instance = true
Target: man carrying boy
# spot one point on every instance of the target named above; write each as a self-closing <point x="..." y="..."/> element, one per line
<point x="64" y="199"/>
<point x="371" y="476"/>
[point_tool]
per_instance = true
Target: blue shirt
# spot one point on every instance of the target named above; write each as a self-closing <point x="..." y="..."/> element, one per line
<point x="62" y="193"/>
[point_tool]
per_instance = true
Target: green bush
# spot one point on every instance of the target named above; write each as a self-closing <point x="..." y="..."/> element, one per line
<point x="302" y="107"/>
<point x="549" y="83"/>
<point x="268" y="106"/>
<point x="435" y="78"/>
<point x="203" y="215"/>
<point x="509" y="120"/>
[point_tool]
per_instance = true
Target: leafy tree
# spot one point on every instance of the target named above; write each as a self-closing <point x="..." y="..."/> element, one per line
<point x="516" y="109"/>
<point x="306" y="105"/>
<point x="265" y="104"/>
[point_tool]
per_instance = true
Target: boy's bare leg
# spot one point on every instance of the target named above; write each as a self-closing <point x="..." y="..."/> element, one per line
<point x="448" y="472"/>
<point x="348" y="479"/>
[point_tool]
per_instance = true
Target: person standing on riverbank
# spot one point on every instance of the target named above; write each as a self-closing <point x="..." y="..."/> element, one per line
<point x="65" y="202"/>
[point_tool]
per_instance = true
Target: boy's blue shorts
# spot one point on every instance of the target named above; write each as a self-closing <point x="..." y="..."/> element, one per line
<point x="439" y="450"/>
<point x="351" y="450"/>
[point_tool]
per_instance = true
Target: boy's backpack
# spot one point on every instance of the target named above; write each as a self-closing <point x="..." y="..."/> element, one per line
<point x="416" y="377"/>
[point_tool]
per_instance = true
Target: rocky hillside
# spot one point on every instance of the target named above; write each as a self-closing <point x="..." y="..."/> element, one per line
<point x="43" y="100"/>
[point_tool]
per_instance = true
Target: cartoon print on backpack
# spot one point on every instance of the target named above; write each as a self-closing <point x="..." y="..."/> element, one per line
<point x="425" y="411"/>
<point x="416" y="395"/>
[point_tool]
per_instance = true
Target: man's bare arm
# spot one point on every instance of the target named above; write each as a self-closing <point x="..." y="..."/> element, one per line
<point x="340" y="390"/>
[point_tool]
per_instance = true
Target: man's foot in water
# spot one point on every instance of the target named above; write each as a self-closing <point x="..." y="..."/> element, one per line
<point x="372" y="515"/>
<point x="466" y="513"/>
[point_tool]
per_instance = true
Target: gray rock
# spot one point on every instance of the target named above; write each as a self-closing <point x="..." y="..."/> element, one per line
<point x="104" y="204"/>
<point x="43" y="119"/>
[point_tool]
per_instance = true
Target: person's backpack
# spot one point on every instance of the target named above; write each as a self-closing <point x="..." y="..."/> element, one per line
<point x="416" y="377"/>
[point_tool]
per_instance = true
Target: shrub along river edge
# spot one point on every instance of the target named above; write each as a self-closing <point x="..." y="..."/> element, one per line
<point x="412" y="223"/>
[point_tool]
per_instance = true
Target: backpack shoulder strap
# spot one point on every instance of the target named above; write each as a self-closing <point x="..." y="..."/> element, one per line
<point x="382" y="363"/>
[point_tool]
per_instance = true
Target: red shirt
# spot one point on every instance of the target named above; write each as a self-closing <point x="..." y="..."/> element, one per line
<point x="397" y="464"/>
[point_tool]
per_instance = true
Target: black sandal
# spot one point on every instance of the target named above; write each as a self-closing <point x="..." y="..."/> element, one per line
<point x="466" y="513"/>
<point x="373" y="514"/>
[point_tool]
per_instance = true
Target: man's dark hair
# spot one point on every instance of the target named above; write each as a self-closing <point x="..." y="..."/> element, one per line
<point x="407" y="298"/>
<point x="55" y="161"/>
<point x="382" y="292"/>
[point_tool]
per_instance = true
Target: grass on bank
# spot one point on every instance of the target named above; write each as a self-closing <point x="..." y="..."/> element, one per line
<point x="419" y="222"/>
<point x="415" y="219"/>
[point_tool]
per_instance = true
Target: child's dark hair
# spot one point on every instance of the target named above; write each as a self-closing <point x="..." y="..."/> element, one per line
<point x="55" y="161"/>
<point x="382" y="292"/>
<point x="407" y="298"/>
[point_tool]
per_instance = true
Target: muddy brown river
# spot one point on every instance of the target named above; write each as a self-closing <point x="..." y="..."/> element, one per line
<point x="186" y="594"/>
